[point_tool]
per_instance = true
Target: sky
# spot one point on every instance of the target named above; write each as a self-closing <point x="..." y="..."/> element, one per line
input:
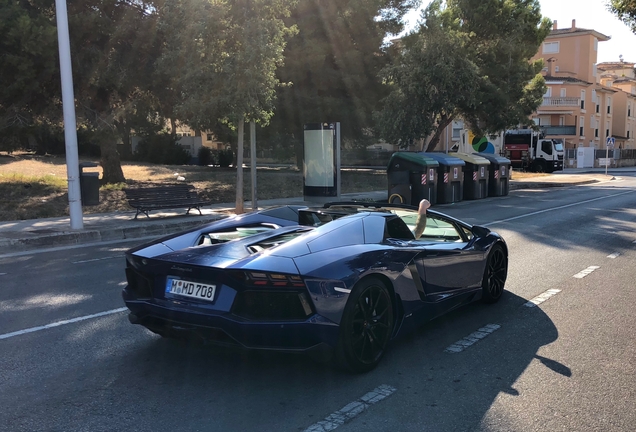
<point x="589" y="14"/>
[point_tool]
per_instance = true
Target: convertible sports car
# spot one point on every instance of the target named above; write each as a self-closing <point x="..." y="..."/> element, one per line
<point x="344" y="279"/>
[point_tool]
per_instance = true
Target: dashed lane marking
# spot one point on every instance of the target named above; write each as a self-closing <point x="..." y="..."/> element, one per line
<point x="61" y="323"/>
<point x="472" y="338"/>
<point x="97" y="259"/>
<point x="587" y="271"/>
<point x="352" y="410"/>
<point x="2" y="274"/>
<point x="614" y="255"/>
<point x="542" y="297"/>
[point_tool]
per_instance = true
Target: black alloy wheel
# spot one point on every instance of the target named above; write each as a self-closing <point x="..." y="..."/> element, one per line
<point x="495" y="275"/>
<point x="366" y="326"/>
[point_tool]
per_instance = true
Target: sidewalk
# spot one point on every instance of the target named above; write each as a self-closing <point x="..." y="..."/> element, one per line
<point x="16" y="236"/>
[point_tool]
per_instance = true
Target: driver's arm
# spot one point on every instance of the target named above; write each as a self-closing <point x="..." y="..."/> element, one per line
<point x="420" y="224"/>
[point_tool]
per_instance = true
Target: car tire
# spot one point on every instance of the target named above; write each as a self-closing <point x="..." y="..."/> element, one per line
<point x="495" y="275"/>
<point x="366" y="326"/>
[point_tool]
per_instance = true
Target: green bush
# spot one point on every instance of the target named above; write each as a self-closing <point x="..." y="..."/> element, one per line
<point x="161" y="149"/>
<point x="205" y="156"/>
<point x="225" y="158"/>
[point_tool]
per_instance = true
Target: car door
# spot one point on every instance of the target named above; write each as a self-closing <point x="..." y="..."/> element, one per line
<point x="447" y="262"/>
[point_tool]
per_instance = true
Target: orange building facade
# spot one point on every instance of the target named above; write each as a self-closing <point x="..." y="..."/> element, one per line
<point x="586" y="102"/>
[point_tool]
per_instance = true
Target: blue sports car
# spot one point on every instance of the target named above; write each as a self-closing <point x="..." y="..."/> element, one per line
<point x="345" y="279"/>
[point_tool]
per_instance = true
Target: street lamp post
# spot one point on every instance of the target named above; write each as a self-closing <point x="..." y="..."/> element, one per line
<point x="70" y="127"/>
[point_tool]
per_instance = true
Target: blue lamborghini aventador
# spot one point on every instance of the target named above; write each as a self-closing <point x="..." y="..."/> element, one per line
<point x="345" y="279"/>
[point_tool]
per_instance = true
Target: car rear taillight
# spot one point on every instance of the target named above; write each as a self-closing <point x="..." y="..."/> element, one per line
<point x="273" y="279"/>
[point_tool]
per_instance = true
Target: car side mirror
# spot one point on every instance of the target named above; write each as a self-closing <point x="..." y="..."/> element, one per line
<point x="480" y="231"/>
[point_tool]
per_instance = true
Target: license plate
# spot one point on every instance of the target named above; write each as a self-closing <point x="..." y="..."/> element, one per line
<point x="190" y="289"/>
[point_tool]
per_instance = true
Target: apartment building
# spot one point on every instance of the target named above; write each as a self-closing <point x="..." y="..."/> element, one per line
<point x="576" y="107"/>
<point x="621" y="76"/>
<point x="585" y="102"/>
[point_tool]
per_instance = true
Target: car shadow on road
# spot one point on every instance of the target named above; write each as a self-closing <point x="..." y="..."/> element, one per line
<point x="456" y="390"/>
<point x="434" y="382"/>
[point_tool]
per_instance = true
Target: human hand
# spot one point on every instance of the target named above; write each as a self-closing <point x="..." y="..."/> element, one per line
<point x="424" y="205"/>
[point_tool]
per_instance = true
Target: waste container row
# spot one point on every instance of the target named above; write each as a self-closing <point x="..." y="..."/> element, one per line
<point x="446" y="178"/>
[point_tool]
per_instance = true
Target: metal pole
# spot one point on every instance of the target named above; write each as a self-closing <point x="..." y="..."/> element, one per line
<point x="446" y="138"/>
<point x="338" y="162"/>
<point x="70" y="126"/>
<point x="239" y="167"/>
<point x="606" y="155"/>
<point x="253" y="162"/>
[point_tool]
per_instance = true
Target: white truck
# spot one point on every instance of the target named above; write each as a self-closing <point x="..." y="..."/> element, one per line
<point x="531" y="151"/>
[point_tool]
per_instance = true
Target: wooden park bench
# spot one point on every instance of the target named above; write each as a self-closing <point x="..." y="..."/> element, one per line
<point x="148" y="198"/>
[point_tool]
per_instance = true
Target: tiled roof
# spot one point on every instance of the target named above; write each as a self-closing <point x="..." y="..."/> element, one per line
<point x="566" y="31"/>
<point x="615" y="65"/>
<point x="603" y="88"/>
<point x="566" y="79"/>
<point x="625" y="79"/>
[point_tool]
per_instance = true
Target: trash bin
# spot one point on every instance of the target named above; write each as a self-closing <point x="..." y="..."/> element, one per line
<point x="412" y="177"/>
<point x="89" y="184"/>
<point x="475" y="175"/>
<point x="450" y="185"/>
<point x="499" y="177"/>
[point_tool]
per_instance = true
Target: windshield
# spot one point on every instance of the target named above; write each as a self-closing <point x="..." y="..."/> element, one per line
<point x="558" y="146"/>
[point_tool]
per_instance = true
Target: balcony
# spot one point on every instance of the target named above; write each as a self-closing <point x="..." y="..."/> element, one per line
<point x="558" y="130"/>
<point x="555" y="102"/>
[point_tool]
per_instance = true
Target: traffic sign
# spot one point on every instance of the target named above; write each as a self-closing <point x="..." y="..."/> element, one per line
<point x="610" y="142"/>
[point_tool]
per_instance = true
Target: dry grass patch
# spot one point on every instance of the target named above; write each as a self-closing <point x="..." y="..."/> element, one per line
<point x="33" y="187"/>
<point x="521" y="175"/>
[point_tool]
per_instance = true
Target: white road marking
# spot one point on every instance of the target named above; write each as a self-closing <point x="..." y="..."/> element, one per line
<point x="542" y="297"/>
<point x="60" y="323"/>
<point x="634" y="242"/>
<point x="352" y="410"/>
<point x="464" y="343"/>
<point x="587" y="271"/>
<point x="2" y="274"/>
<point x="614" y="255"/>
<point x="556" y="208"/>
<point x="97" y="259"/>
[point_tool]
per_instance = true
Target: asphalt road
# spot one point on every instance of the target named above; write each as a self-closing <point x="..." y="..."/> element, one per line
<point x="568" y="364"/>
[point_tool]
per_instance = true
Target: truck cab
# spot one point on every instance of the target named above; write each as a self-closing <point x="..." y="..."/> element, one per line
<point x="548" y="156"/>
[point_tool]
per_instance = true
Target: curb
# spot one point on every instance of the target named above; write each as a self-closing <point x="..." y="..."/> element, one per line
<point x="69" y="238"/>
<point x="542" y="185"/>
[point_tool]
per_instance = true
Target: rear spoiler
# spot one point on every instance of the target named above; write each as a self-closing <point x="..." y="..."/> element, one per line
<point x="369" y="204"/>
<point x="376" y="205"/>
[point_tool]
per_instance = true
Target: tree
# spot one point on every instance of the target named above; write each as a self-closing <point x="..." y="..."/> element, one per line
<point x="259" y="37"/>
<point x="28" y="70"/>
<point x="468" y="59"/>
<point x="111" y="43"/>
<point x="332" y="65"/>
<point x="625" y="10"/>
<point x="112" y="53"/>
<point x="223" y="56"/>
